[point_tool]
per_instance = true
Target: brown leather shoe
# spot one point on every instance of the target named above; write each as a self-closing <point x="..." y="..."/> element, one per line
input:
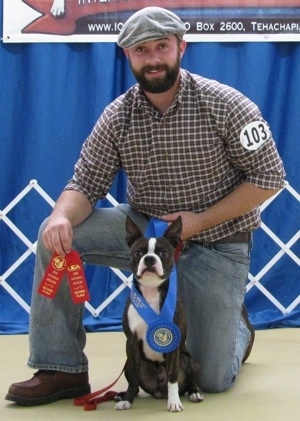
<point x="252" y="331"/>
<point x="48" y="386"/>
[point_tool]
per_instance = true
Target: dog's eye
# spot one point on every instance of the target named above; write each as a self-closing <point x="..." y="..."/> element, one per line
<point x="163" y="253"/>
<point x="138" y="253"/>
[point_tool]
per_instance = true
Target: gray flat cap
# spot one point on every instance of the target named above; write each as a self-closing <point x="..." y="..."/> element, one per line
<point x="149" y="24"/>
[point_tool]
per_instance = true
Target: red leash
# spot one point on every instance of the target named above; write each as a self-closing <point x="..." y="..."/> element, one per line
<point x="91" y="400"/>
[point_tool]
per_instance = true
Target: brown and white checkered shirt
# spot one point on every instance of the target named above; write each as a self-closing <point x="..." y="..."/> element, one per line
<point x="187" y="159"/>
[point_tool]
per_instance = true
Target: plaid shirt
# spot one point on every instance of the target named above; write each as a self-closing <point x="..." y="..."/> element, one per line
<point x="186" y="159"/>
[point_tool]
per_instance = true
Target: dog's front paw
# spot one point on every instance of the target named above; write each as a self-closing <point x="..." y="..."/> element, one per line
<point x="196" y="397"/>
<point x="175" y="406"/>
<point x="123" y="405"/>
<point x="119" y="396"/>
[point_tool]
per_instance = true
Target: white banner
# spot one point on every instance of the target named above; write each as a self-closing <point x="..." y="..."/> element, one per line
<point x="101" y="20"/>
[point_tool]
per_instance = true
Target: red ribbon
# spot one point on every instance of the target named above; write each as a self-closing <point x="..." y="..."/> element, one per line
<point x="71" y="266"/>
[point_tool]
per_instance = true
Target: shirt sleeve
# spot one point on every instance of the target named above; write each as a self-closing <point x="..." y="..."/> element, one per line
<point x="98" y="162"/>
<point x="250" y="146"/>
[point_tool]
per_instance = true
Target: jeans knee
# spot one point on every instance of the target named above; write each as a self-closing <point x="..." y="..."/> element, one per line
<point x="42" y="228"/>
<point x="216" y="384"/>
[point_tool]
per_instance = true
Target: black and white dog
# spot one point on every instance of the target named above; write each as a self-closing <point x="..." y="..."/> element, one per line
<point x="170" y="374"/>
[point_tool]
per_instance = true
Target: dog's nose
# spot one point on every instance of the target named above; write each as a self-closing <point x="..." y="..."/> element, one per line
<point x="149" y="260"/>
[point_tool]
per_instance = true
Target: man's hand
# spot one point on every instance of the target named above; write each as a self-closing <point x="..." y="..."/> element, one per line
<point x="70" y="210"/>
<point x="191" y="222"/>
<point x="58" y="235"/>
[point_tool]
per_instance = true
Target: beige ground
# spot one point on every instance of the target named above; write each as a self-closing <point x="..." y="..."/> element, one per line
<point x="268" y="388"/>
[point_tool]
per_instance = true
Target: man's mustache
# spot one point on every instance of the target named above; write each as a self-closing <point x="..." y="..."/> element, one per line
<point x="156" y="68"/>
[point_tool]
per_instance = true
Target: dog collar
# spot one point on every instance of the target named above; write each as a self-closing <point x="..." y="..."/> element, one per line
<point x="156" y="228"/>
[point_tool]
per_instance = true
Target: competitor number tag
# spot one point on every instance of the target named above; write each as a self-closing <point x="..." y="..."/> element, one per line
<point x="71" y="266"/>
<point x="254" y="135"/>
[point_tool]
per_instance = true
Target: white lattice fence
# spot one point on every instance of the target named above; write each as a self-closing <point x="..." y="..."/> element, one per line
<point x="255" y="280"/>
<point x="285" y="249"/>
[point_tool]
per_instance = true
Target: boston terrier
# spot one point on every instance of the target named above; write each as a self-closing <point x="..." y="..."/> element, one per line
<point x="157" y="361"/>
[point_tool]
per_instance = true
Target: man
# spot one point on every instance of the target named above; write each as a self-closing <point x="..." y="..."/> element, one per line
<point x="191" y="147"/>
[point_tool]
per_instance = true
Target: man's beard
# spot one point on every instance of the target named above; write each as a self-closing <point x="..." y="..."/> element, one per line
<point x="158" y="85"/>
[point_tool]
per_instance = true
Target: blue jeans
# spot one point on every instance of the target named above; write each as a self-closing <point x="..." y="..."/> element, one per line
<point x="211" y="282"/>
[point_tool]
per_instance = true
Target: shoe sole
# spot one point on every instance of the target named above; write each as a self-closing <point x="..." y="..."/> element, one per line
<point x="63" y="394"/>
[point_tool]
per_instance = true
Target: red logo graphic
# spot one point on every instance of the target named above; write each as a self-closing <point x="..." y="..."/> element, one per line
<point x="59" y="17"/>
<point x="59" y="263"/>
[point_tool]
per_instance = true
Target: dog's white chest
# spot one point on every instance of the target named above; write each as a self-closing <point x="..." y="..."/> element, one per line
<point x="139" y="326"/>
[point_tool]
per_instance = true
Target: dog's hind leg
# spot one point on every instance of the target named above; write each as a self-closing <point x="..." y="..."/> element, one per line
<point x="192" y="372"/>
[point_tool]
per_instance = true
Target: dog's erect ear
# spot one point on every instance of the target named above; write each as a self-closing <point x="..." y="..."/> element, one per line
<point x="173" y="232"/>
<point x="132" y="231"/>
